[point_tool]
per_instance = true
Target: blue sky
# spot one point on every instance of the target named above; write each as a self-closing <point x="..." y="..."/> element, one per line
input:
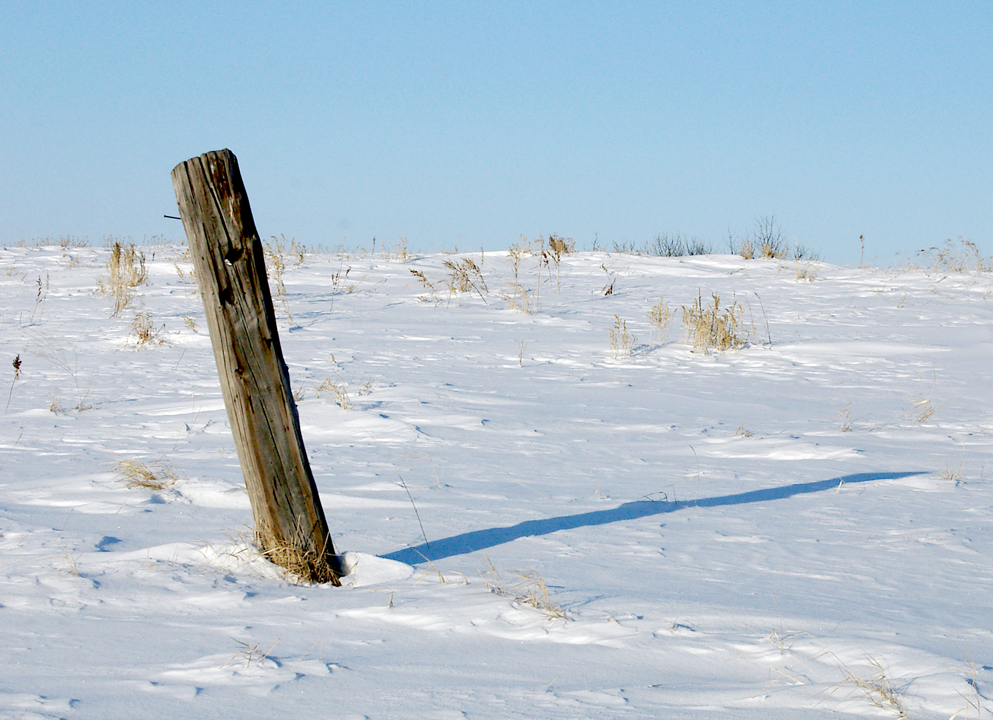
<point x="471" y="124"/>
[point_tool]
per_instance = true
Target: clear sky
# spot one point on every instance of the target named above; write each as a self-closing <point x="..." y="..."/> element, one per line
<point x="470" y="124"/>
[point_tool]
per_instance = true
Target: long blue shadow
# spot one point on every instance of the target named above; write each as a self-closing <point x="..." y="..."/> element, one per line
<point x="485" y="539"/>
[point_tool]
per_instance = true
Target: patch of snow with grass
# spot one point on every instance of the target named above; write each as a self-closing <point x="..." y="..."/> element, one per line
<point x="778" y="531"/>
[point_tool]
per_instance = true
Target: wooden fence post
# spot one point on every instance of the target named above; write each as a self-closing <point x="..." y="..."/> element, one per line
<point x="290" y="526"/>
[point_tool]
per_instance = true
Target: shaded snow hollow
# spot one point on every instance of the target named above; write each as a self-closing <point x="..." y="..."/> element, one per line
<point x="799" y="528"/>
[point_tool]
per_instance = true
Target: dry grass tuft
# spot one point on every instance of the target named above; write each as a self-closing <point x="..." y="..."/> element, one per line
<point x="621" y="341"/>
<point x="423" y="279"/>
<point x="519" y="298"/>
<point x="68" y="241"/>
<point x="249" y="654"/>
<point x="547" y="255"/>
<point x="144" y="331"/>
<point x="464" y="276"/>
<point x="69" y="564"/>
<point x="545" y="258"/>
<point x="973" y="702"/>
<point x="127" y="265"/>
<point x="442" y="579"/>
<point x="608" y="289"/>
<point x="552" y="255"/>
<point x="845" y="414"/>
<point x="805" y="272"/>
<point x="924" y="410"/>
<point x="297" y="555"/>
<point x="335" y="390"/>
<point x="54" y="353"/>
<point x="339" y="282"/>
<point x="951" y="258"/>
<point x="40" y="297"/>
<point x="528" y="588"/>
<point x="878" y="688"/>
<point x="661" y="318"/>
<point x="55" y="406"/>
<point x="397" y="252"/>
<point x="275" y="265"/>
<point x="711" y="328"/>
<point x="953" y="474"/>
<point x="427" y="285"/>
<point x="158" y="475"/>
<point x="561" y="246"/>
<point x="185" y="276"/>
<point x="531" y="590"/>
<point x="747" y="249"/>
<point x="125" y="271"/>
<point x="924" y="407"/>
<point x="298" y="251"/>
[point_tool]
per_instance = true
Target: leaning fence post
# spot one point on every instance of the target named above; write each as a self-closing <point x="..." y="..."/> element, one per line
<point x="230" y="270"/>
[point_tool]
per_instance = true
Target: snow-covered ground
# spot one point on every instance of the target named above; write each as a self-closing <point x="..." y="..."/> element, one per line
<point x="800" y="528"/>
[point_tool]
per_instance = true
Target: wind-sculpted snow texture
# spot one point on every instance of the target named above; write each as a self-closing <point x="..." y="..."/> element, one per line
<point x="798" y="528"/>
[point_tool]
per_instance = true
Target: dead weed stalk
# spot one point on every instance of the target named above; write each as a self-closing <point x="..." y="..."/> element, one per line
<point x="275" y="263"/>
<point x="17" y="375"/>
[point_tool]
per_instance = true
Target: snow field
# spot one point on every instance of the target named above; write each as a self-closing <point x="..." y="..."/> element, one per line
<point x="799" y="528"/>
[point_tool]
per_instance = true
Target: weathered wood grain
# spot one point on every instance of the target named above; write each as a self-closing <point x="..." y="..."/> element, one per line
<point x="228" y="258"/>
